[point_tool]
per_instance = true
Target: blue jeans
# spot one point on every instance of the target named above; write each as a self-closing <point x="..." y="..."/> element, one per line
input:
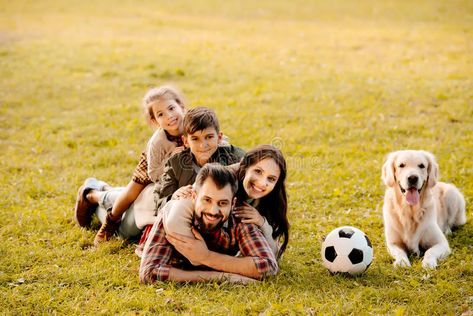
<point x="128" y="228"/>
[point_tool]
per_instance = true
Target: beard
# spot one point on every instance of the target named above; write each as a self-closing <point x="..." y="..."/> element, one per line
<point x="206" y="228"/>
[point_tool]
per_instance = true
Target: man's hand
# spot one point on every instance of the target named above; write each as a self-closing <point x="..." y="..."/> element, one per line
<point x="194" y="249"/>
<point x="236" y="278"/>
<point x="182" y="193"/>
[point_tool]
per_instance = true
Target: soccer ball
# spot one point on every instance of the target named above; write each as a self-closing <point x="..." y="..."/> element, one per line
<point x="347" y="249"/>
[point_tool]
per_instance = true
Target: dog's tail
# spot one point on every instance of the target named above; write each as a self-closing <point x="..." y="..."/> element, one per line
<point x="461" y="215"/>
<point x="457" y="210"/>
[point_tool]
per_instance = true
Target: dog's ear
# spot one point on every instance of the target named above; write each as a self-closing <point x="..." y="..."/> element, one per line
<point x="387" y="172"/>
<point x="432" y="169"/>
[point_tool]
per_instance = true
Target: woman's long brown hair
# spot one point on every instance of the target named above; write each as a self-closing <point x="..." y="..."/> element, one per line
<point x="274" y="205"/>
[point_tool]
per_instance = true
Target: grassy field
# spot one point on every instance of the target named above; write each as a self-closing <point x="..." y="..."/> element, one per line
<point x="336" y="84"/>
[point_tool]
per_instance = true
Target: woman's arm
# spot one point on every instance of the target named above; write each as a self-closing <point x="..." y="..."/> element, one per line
<point x="267" y="231"/>
<point x="250" y="215"/>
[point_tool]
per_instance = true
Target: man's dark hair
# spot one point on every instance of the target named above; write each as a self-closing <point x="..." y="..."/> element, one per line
<point x="219" y="174"/>
<point x="200" y="118"/>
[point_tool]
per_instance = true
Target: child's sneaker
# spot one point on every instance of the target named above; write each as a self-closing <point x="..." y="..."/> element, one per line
<point x="84" y="209"/>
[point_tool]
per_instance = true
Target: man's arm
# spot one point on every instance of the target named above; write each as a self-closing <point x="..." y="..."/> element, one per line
<point x="179" y="275"/>
<point x="155" y="264"/>
<point x="156" y="258"/>
<point x="240" y="265"/>
<point x="257" y="262"/>
<point x="257" y="259"/>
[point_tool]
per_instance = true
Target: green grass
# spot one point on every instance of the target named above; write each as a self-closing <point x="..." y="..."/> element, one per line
<point x="336" y="84"/>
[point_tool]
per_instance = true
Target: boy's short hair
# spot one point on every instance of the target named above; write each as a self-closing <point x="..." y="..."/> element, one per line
<point x="200" y="118"/>
<point x="220" y="175"/>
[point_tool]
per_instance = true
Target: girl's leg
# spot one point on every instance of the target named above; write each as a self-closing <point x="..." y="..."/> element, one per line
<point x="104" y="200"/>
<point x="118" y="203"/>
<point x="128" y="228"/>
<point x="127" y="225"/>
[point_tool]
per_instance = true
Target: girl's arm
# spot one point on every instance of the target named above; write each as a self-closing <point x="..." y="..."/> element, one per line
<point x="126" y="197"/>
<point x="158" y="149"/>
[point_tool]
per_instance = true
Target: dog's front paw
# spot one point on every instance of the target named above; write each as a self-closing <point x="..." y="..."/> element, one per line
<point x="402" y="262"/>
<point x="429" y="263"/>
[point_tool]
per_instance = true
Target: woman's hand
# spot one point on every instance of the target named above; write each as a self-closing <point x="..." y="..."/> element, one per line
<point x="182" y="193"/>
<point x="249" y="214"/>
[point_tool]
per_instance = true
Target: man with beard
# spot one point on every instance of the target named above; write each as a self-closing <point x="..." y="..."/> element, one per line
<point x="219" y="236"/>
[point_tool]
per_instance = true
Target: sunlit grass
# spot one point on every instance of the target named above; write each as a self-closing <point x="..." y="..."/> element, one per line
<point x="336" y="85"/>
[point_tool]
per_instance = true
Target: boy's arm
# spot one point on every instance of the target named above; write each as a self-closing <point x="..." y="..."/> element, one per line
<point x="168" y="183"/>
<point x="237" y="153"/>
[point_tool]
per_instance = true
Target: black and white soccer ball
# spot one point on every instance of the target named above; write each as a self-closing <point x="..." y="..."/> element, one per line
<point x="348" y="250"/>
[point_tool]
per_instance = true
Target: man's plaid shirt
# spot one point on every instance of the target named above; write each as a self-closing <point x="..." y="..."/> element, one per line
<point x="159" y="255"/>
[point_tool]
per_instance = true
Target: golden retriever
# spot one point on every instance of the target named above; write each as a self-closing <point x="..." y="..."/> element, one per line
<point x="417" y="209"/>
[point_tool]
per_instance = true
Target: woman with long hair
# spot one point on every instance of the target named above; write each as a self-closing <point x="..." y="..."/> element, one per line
<point x="261" y="195"/>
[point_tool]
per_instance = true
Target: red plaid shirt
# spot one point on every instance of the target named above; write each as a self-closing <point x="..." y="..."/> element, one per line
<point x="159" y="256"/>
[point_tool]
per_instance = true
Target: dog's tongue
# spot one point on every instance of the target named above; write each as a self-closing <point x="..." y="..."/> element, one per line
<point x="412" y="196"/>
